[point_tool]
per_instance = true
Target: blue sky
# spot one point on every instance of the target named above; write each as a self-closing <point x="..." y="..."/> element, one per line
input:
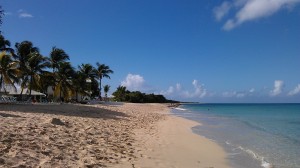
<point x="206" y="51"/>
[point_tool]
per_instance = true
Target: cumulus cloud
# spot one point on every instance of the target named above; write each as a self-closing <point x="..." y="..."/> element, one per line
<point x="248" y="10"/>
<point x="295" y="91"/>
<point x="172" y="90"/>
<point x="24" y="14"/>
<point x="134" y="82"/>
<point x="278" y="87"/>
<point x="198" y="92"/>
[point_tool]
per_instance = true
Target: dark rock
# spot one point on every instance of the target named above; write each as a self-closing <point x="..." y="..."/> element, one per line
<point x="57" y="121"/>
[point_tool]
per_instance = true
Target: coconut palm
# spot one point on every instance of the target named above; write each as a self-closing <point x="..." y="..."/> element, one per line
<point x="88" y="70"/>
<point x="78" y="83"/>
<point x="106" y="89"/>
<point x="5" y="45"/>
<point x="23" y="51"/>
<point x="8" y="71"/>
<point x="57" y="56"/>
<point x="64" y="77"/>
<point x="103" y="71"/>
<point x="46" y="80"/>
<point x="35" y="67"/>
<point x="88" y="74"/>
<point x="120" y="93"/>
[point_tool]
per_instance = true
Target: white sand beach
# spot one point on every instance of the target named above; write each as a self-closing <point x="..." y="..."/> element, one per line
<point x="128" y="135"/>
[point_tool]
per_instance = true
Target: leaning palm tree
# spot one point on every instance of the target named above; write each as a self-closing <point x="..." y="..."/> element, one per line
<point x="103" y="71"/>
<point x="35" y="68"/>
<point x="106" y="89"/>
<point x="8" y="71"/>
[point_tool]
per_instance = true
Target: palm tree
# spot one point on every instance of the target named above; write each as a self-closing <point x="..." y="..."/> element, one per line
<point x="103" y="71"/>
<point x="46" y="80"/>
<point x="120" y="93"/>
<point x="5" y="45"/>
<point x="8" y="71"/>
<point x="24" y="49"/>
<point x="78" y="83"/>
<point x="88" y="74"/>
<point x="106" y="89"/>
<point x="88" y="70"/>
<point x="35" y="68"/>
<point x="57" y="56"/>
<point x="64" y="77"/>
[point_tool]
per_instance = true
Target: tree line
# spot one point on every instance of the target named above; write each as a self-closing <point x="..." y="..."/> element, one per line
<point x="124" y="95"/>
<point x="25" y="66"/>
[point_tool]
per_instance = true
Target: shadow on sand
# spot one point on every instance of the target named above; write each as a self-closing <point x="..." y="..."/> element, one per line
<point x="64" y="109"/>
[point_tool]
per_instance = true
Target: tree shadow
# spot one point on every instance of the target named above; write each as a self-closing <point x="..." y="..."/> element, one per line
<point x="8" y="115"/>
<point x="64" y="109"/>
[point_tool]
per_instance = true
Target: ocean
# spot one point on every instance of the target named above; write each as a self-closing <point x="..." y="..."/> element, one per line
<point x="253" y="135"/>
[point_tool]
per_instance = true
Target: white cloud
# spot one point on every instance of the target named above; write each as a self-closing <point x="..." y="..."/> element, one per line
<point x="248" y="10"/>
<point x="238" y="94"/>
<point x="198" y="92"/>
<point x="234" y="94"/>
<point x="295" y="91"/>
<point x="222" y="10"/>
<point x="278" y="87"/>
<point x="170" y="91"/>
<point x="24" y="14"/>
<point x="134" y="82"/>
<point x="178" y="87"/>
<point x="251" y="90"/>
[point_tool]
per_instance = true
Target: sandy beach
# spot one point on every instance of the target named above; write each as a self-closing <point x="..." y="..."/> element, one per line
<point x="128" y="135"/>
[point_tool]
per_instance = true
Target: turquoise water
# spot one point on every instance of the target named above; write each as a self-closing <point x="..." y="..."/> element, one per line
<point x="253" y="135"/>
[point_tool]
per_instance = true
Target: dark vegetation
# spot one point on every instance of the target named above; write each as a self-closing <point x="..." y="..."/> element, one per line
<point x="124" y="95"/>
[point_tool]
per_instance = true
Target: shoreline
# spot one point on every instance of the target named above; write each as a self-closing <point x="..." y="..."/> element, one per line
<point x="127" y="135"/>
<point x="172" y="143"/>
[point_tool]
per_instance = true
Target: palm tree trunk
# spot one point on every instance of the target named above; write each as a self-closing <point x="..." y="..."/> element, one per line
<point x="2" y="84"/>
<point x="31" y="80"/>
<point x="60" y="93"/>
<point x="100" y="90"/>
<point x="76" y="96"/>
